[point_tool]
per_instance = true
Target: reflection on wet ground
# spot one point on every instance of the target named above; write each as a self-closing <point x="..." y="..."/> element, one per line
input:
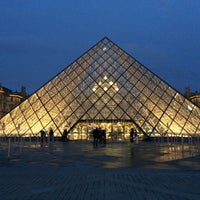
<point x="145" y="155"/>
<point x="112" y="155"/>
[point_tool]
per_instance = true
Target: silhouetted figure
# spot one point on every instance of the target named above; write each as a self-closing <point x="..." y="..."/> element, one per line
<point x="132" y="135"/>
<point x="42" y="136"/>
<point x="136" y="137"/>
<point x="65" y="136"/>
<point x="102" y="137"/>
<point x="51" y="135"/>
<point x="99" y="135"/>
<point x="95" y="136"/>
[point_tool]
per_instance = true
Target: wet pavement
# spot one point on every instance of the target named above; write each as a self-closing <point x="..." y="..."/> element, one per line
<point x="119" y="170"/>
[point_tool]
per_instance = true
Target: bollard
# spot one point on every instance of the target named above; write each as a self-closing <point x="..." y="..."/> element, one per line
<point x="8" y="147"/>
<point x="20" y="144"/>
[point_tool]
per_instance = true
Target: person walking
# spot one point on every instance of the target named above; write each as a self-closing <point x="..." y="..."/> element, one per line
<point x="136" y="137"/>
<point x="51" y="135"/>
<point x="65" y="136"/>
<point x="42" y="136"/>
<point x="131" y="135"/>
<point x="95" y="136"/>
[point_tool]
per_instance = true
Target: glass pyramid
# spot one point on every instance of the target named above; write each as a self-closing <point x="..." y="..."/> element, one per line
<point x="104" y="87"/>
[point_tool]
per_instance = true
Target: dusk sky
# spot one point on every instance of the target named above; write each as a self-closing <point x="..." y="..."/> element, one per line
<point x="39" y="38"/>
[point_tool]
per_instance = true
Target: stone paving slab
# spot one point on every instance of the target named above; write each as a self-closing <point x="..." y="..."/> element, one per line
<point x="77" y="170"/>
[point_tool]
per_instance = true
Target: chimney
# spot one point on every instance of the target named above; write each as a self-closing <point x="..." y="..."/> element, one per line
<point x="23" y="91"/>
<point x="187" y="92"/>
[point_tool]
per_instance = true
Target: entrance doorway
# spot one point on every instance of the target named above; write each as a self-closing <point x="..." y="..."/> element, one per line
<point x="115" y="130"/>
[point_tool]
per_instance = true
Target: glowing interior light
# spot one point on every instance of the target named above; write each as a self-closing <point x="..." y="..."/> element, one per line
<point x="105" y="77"/>
<point x="190" y="108"/>
<point x="104" y="49"/>
<point x="116" y="88"/>
<point x="105" y="88"/>
<point x="111" y="82"/>
<point x="93" y="89"/>
<point x="100" y="83"/>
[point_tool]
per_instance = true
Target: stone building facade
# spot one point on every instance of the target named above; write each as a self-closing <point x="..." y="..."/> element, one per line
<point x="193" y="96"/>
<point x="10" y="99"/>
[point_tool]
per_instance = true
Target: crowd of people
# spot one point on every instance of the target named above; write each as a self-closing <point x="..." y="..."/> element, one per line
<point x="99" y="136"/>
<point x="45" y="137"/>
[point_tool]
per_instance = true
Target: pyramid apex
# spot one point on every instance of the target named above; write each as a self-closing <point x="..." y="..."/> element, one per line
<point x="105" y="38"/>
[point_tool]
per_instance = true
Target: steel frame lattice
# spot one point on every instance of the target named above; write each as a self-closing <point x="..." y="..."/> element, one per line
<point x="104" y="84"/>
